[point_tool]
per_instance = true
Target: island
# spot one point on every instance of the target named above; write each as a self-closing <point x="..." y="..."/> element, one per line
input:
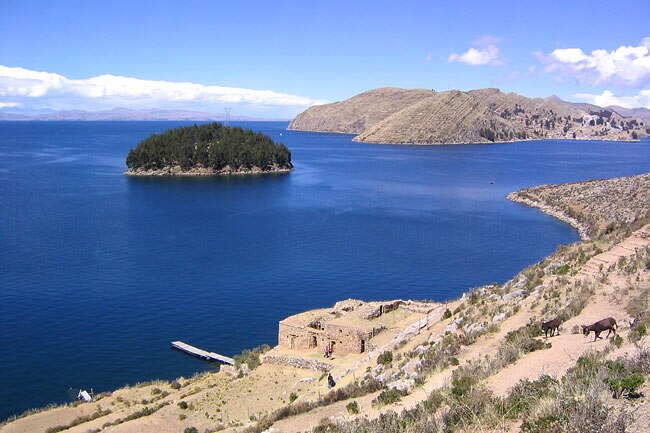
<point x="421" y="116"/>
<point x="206" y="150"/>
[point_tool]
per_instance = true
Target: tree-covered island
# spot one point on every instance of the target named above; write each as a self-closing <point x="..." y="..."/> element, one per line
<point x="209" y="149"/>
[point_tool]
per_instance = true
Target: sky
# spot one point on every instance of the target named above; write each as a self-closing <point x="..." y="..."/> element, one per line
<point x="273" y="59"/>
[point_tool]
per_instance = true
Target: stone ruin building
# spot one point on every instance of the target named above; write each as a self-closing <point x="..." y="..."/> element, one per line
<point x="346" y="328"/>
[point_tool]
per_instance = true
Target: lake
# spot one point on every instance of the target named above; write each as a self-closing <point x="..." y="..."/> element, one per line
<point x="100" y="272"/>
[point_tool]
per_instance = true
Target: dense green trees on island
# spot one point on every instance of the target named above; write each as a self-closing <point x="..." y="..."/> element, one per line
<point x="210" y="146"/>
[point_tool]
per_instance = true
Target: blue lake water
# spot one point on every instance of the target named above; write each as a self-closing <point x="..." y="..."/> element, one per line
<point x="100" y="272"/>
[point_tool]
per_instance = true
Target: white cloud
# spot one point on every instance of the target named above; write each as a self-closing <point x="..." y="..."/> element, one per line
<point x="487" y="54"/>
<point x="626" y="66"/>
<point x="641" y="99"/>
<point x="24" y="87"/>
<point x="8" y="104"/>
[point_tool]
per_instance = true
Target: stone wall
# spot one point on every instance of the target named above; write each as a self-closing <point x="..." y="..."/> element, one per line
<point x="346" y="339"/>
<point x="379" y="310"/>
<point x="298" y="362"/>
<point x="300" y="337"/>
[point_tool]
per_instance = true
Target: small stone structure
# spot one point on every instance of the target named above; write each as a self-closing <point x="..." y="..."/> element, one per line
<point x="347" y="328"/>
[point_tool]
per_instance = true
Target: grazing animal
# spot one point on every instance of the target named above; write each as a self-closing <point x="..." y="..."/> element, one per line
<point x="551" y="325"/>
<point x="608" y="324"/>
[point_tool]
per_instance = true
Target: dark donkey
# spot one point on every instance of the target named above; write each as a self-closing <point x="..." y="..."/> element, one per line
<point x="551" y="325"/>
<point x="608" y="324"/>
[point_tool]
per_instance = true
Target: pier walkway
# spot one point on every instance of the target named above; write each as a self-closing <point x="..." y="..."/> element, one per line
<point x="210" y="356"/>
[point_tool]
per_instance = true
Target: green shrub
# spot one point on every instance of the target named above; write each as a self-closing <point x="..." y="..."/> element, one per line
<point x="352" y="408"/>
<point x="562" y="270"/>
<point x="183" y="405"/>
<point x="616" y="341"/>
<point x="462" y="383"/>
<point x="642" y="330"/>
<point x="293" y="397"/>
<point x="191" y="430"/>
<point x="638" y="332"/>
<point x="388" y="396"/>
<point x="385" y="358"/>
<point x="545" y="424"/>
<point x="251" y="357"/>
<point x="526" y="393"/>
<point x="478" y="407"/>
<point x="625" y="386"/>
<point x="446" y="314"/>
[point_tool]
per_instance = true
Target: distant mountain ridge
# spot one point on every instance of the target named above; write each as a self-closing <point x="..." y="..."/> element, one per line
<point x="125" y="114"/>
<point x="420" y="116"/>
<point x="641" y="112"/>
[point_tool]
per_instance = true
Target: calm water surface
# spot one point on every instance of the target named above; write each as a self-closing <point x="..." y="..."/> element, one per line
<point x="100" y="272"/>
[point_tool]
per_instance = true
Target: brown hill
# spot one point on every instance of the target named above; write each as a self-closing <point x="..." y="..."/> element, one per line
<point x="358" y="113"/>
<point x="399" y="116"/>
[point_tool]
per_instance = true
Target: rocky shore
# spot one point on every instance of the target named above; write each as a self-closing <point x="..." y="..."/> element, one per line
<point x="558" y="213"/>
<point x="177" y="170"/>
<point x="594" y="207"/>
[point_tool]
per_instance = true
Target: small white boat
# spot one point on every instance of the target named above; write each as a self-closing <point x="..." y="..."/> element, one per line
<point x="84" y="396"/>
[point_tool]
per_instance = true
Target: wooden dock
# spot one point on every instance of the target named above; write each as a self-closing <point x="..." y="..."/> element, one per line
<point x="195" y="351"/>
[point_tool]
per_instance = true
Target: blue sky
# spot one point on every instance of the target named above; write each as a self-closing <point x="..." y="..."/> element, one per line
<point x="275" y="58"/>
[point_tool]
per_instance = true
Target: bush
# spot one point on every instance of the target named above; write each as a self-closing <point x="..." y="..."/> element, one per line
<point x="183" y="405"/>
<point x="175" y="385"/>
<point x="462" y="383"/>
<point x="388" y="396"/>
<point x="191" y="430"/>
<point x="446" y="314"/>
<point x="251" y="357"/>
<point x="477" y="407"/>
<point x="626" y="386"/>
<point x="526" y="393"/>
<point x="385" y="358"/>
<point x="562" y="270"/>
<point x="352" y="407"/>
<point x="293" y="397"/>
<point x="616" y="341"/>
<point x="548" y="423"/>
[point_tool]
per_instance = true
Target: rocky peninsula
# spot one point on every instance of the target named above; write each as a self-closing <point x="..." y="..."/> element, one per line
<point x="420" y="116"/>
<point x="477" y="363"/>
<point x="207" y="150"/>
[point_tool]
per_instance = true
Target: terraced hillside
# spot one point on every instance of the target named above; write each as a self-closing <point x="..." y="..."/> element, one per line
<point x="400" y="116"/>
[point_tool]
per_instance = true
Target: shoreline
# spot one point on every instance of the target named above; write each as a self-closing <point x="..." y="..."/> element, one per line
<point x="524" y="140"/>
<point x="595" y="139"/>
<point x="582" y="229"/>
<point x="202" y="171"/>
